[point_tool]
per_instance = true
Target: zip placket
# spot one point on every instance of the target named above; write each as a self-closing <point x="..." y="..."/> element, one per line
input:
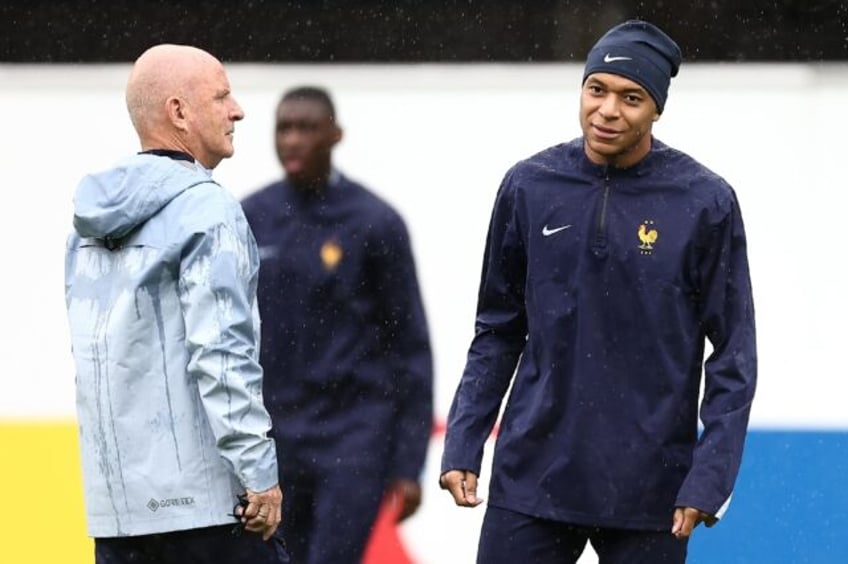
<point x="599" y="246"/>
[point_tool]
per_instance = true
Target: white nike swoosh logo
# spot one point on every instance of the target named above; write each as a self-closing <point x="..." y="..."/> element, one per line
<point x="548" y="232"/>
<point x="610" y="59"/>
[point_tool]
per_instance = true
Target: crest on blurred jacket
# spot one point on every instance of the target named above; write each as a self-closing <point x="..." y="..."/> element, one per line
<point x="331" y="254"/>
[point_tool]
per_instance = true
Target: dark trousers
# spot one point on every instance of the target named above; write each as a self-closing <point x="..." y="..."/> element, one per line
<point x="328" y="517"/>
<point x="509" y="537"/>
<point x="208" y="545"/>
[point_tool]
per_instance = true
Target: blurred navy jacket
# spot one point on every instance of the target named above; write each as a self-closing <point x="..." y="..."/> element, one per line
<point x="345" y="345"/>
<point x="601" y="284"/>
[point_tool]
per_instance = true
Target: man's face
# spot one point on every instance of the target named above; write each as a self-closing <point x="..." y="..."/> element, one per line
<point x="213" y="112"/>
<point x="305" y="137"/>
<point x="616" y="115"/>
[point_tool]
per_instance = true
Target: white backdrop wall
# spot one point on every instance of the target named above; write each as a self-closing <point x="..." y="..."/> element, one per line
<point x="435" y="141"/>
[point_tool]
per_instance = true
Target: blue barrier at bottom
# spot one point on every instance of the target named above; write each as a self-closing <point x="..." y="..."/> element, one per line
<point x="790" y="503"/>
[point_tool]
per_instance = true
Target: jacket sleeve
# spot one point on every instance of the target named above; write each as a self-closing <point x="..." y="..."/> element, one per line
<point x="218" y="272"/>
<point x="499" y="339"/>
<point x="730" y="372"/>
<point x="406" y="341"/>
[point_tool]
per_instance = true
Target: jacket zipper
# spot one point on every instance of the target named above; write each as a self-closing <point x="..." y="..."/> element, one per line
<point x="600" y="246"/>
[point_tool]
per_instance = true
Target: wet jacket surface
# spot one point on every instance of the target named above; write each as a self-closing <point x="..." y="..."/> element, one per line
<point x="345" y="345"/>
<point x="602" y="285"/>
<point x="160" y="282"/>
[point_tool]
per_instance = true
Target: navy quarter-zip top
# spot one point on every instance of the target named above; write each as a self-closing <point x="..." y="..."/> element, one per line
<point x="345" y="342"/>
<point x="601" y="285"/>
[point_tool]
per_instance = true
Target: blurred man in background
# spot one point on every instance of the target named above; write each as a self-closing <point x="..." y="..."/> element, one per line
<point x="609" y="260"/>
<point x="160" y="285"/>
<point x="345" y="345"/>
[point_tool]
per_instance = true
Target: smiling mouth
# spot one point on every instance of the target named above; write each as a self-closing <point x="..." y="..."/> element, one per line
<point x="605" y="133"/>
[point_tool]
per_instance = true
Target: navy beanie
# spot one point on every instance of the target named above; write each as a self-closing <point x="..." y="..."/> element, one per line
<point x="639" y="51"/>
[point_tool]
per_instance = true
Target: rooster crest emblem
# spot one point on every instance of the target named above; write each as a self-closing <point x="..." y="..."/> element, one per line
<point x="647" y="236"/>
<point x="331" y="255"/>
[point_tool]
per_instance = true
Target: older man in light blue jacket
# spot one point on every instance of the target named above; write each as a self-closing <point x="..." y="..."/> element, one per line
<point x="161" y="274"/>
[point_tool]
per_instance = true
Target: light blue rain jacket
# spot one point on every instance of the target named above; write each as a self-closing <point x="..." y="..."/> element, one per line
<point x="160" y="285"/>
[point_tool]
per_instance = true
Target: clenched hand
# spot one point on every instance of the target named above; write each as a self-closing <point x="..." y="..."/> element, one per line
<point x="407" y="494"/>
<point x="687" y="518"/>
<point x="263" y="512"/>
<point x="462" y="484"/>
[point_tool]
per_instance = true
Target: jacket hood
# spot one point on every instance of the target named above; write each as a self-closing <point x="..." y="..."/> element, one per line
<point x="110" y="204"/>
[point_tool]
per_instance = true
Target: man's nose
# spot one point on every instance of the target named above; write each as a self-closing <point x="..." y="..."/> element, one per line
<point x="237" y="113"/>
<point x="291" y="136"/>
<point x="609" y="107"/>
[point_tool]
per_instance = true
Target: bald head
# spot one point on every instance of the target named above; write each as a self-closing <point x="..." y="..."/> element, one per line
<point x="178" y="97"/>
<point x="159" y="73"/>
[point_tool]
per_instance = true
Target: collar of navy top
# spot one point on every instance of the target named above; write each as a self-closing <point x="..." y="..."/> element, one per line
<point x="641" y="168"/>
<point x="333" y="179"/>
<point x="180" y="156"/>
<point x="170" y="153"/>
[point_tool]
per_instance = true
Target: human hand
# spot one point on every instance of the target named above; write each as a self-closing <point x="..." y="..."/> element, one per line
<point x="263" y="512"/>
<point x="462" y="484"/>
<point x="407" y="494"/>
<point x="687" y="518"/>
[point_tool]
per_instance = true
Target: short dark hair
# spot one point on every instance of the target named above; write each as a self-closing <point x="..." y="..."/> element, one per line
<point x="314" y="93"/>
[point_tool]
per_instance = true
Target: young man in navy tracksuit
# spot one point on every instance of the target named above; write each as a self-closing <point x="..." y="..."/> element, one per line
<point x="609" y="260"/>
<point x="345" y="346"/>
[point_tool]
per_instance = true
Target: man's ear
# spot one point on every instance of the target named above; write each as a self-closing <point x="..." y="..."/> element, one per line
<point x="656" y="117"/>
<point x="338" y="133"/>
<point x="175" y="108"/>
